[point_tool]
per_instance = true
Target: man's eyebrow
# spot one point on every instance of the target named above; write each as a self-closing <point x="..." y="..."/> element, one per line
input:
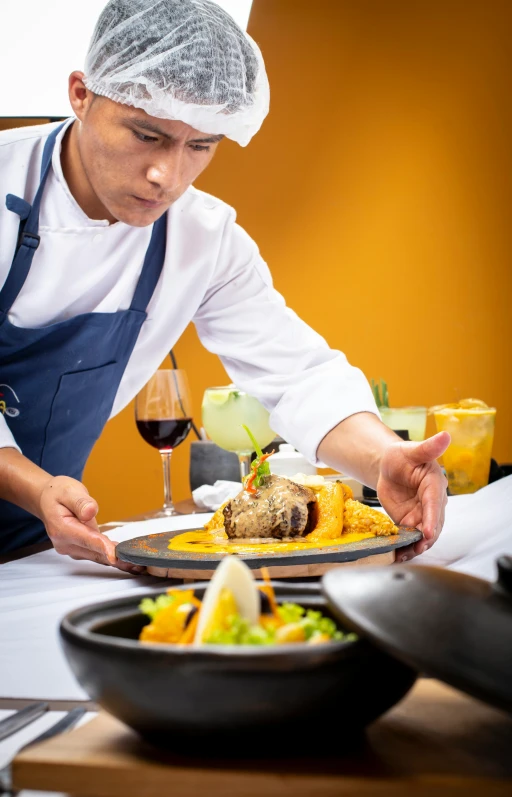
<point x="208" y="140"/>
<point x="151" y="128"/>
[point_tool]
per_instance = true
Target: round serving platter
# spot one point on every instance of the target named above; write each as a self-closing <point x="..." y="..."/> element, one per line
<point x="152" y="552"/>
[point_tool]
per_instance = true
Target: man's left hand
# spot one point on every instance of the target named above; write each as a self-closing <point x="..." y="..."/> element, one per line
<point x="412" y="488"/>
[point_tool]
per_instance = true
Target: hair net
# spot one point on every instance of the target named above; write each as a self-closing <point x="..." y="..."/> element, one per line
<point x="180" y="59"/>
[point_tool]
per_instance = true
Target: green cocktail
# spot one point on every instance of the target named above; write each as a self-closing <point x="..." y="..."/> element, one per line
<point x="410" y="419"/>
<point x="225" y="411"/>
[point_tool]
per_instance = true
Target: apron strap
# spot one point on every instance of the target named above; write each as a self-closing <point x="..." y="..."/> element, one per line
<point x="152" y="267"/>
<point x="28" y="241"/>
<point x="28" y="236"/>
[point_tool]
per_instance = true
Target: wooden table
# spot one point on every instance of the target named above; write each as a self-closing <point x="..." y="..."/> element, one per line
<point x="436" y="743"/>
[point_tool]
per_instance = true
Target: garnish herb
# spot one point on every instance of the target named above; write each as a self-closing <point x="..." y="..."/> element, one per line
<point x="259" y="466"/>
<point x="380" y="393"/>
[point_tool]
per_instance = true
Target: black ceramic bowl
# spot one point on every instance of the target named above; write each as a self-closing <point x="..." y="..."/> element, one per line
<point x="239" y="695"/>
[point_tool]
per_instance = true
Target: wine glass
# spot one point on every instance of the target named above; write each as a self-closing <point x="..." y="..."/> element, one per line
<point x="225" y="411"/>
<point x="164" y="418"/>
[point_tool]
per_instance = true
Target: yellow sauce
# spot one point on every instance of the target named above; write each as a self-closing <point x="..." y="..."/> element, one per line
<point x="218" y="542"/>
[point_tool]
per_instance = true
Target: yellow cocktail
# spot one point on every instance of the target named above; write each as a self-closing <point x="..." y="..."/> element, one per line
<point x="467" y="459"/>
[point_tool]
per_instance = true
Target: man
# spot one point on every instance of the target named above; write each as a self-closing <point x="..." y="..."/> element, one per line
<point x="108" y="252"/>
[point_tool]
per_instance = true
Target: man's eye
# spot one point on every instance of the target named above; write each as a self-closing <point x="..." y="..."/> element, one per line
<point x="199" y="148"/>
<point x="142" y="137"/>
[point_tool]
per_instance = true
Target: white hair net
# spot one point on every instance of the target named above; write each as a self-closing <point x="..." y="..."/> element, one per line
<point x="180" y="59"/>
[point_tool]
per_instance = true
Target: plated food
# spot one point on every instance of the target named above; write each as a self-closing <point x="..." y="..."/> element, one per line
<point x="234" y="611"/>
<point x="278" y="514"/>
<point x="281" y="515"/>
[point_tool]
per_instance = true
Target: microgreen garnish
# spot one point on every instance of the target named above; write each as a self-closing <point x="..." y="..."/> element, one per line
<point x="259" y="466"/>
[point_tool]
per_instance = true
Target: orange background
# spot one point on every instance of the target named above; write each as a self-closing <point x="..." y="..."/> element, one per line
<point x="379" y="191"/>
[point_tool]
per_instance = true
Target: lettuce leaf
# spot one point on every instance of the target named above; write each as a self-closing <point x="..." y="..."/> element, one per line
<point x="240" y="632"/>
<point x="152" y="607"/>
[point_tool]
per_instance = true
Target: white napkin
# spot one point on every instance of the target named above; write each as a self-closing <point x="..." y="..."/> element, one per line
<point x="212" y="496"/>
<point x="477" y="530"/>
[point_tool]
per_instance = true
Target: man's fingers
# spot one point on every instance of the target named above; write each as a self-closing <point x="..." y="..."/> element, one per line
<point x="83" y="554"/>
<point x="75" y="497"/>
<point x="429" y="449"/>
<point x="78" y="553"/>
<point x="115" y="562"/>
<point x="86" y="508"/>
<point x="69" y="531"/>
<point x="431" y="518"/>
<point x="91" y="544"/>
<point x="404" y="554"/>
<point x="135" y="570"/>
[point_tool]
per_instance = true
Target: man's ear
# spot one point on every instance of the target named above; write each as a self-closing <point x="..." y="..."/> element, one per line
<point x="80" y="97"/>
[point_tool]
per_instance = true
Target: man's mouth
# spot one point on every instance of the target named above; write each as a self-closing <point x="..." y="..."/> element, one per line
<point x="149" y="203"/>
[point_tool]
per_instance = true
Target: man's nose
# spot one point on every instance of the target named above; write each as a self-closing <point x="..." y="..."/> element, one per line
<point x="166" y="171"/>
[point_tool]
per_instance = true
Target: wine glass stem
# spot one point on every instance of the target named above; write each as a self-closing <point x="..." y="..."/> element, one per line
<point x="166" y="463"/>
<point x="245" y="465"/>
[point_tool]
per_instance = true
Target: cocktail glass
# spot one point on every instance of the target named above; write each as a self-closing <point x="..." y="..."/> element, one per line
<point x="467" y="460"/>
<point x="411" y="419"/>
<point x="225" y="411"/>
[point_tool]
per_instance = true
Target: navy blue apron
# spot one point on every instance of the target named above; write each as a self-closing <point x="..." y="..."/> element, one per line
<point x="58" y="383"/>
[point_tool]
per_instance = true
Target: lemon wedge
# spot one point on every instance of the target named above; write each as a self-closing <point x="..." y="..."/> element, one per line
<point x="219" y="397"/>
<point x="231" y="590"/>
<point x="472" y="403"/>
<point x="439" y="407"/>
<point x="463" y="404"/>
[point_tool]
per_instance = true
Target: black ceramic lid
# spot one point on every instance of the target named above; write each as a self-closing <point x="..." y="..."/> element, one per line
<point x="448" y="625"/>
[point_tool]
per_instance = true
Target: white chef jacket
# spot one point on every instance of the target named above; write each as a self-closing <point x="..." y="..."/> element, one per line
<point x="213" y="275"/>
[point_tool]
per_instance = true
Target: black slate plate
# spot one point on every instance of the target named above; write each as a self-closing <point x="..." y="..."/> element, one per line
<point x="152" y="551"/>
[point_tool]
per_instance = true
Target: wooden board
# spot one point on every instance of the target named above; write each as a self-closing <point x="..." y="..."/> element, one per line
<point x="152" y="551"/>
<point x="436" y="743"/>
<point x="280" y="571"/>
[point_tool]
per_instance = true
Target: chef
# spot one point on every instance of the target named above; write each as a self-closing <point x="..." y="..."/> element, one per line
<point x="107" y="252"/>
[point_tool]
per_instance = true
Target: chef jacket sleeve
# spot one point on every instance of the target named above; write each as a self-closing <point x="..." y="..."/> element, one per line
<point x="270" y="353"/>
<point x="6" y="438"/>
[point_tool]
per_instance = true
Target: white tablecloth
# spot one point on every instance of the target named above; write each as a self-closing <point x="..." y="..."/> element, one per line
<point x="477" y="530"/>
<point x="37" y="591"/>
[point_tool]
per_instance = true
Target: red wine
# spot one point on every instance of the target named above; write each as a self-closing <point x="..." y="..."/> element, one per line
<point x="165" y="434"/>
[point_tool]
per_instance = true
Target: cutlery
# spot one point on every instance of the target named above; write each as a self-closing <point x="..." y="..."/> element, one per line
<point x="15" y="722"/>
<point x="66" y="723"/>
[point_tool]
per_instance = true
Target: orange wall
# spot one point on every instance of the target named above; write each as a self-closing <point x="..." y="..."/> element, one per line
<point x="379" y="191"/>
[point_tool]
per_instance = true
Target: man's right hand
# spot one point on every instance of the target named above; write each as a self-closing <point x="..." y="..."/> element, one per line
<point x="69" y="515"/>
<point x="63" y="505"/>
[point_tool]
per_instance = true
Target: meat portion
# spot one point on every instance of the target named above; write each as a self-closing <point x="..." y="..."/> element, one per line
<point x="279" y="509"/>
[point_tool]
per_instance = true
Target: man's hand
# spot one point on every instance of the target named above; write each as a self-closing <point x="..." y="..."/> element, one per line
<point x="412" y="488"/>
<point x="64" y="506"/>
<point x="68" y="512"/>
<point x="409" y="482"/>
